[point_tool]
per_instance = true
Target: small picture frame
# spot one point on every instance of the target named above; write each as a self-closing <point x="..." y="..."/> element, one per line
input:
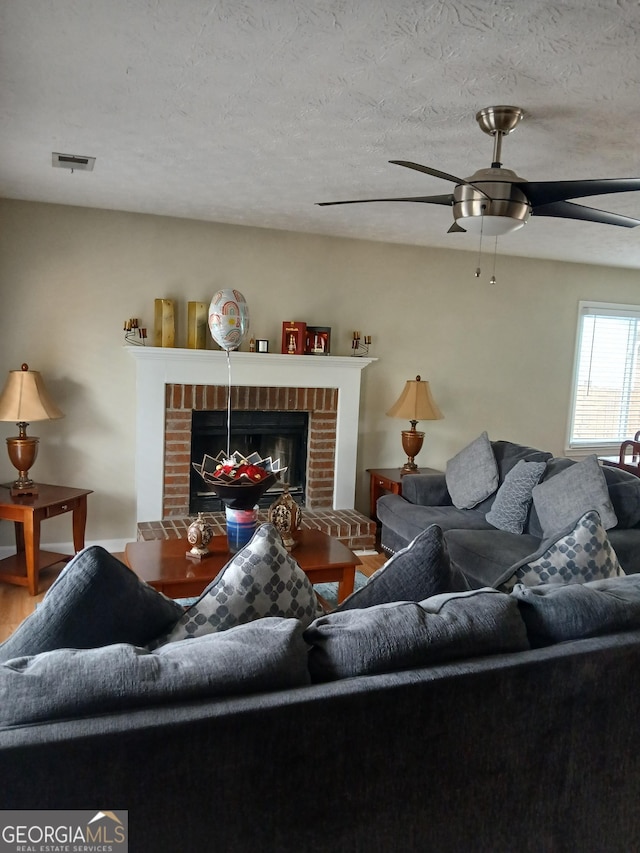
<point x="294" y="337"/>
<point x="318" y="340"/>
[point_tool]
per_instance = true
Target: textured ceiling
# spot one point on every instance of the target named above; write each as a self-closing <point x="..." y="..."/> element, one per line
<point x="249" y="111"/>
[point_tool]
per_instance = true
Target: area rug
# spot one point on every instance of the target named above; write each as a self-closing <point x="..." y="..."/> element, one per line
<point x="329" y="591"/>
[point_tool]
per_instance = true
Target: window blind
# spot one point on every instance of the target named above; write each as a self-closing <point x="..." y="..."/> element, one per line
<point x="606" y="388"/>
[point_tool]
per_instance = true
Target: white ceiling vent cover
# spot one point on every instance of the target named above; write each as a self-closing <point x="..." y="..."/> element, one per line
<point x="75" y="162"/>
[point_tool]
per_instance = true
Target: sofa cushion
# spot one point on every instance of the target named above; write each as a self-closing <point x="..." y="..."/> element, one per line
<point x="262" y="579"/>
<point x="472" y="474"/>
<point x="262" y="656"/>
<point x="507" y="455"/>
<point x="416" y="572"/>
<point x="555" y="613"/>
<point x="96" y="600"/>
<point x="579" y="554"/>
<point x="409" y="634"/>
<point x="484" y="556"/>
<point x="513" y="499"/>
<point x="567" y="496"/>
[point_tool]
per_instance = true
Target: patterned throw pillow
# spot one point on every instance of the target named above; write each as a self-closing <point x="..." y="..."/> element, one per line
<point x="261" y="580"/>
<point x="581" y="554"/>
<point x="472" y="474"/>
<point x="511" y="506"/>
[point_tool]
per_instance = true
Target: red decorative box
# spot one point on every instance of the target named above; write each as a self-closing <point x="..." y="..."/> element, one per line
<point x="294" y="337"/>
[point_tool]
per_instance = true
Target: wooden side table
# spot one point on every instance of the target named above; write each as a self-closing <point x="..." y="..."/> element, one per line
<point x="27" y="513"/>
<point x="388" y="480"/>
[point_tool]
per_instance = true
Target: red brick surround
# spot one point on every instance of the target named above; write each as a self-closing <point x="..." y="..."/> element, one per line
<point x="181" y="400"/>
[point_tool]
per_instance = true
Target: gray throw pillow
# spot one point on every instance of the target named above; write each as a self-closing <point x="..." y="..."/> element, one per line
<point x="561" y="499"/>
<point x="260" y="580"/>
<point x="555" y="613"/>
<point x="513" y="500"/>
<point x="263" y="656"/>
<point x="96" y="600"/>
<point x="579" y="554"/>
<point x="409" y="634"/>
<point x="416" y="572"/>
<point x="472" y="474"/>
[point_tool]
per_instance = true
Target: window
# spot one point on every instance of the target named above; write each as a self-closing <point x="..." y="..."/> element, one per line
<point x="606" y="387"/>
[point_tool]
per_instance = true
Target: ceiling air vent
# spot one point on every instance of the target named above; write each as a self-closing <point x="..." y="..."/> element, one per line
<point x="73" y="162"/>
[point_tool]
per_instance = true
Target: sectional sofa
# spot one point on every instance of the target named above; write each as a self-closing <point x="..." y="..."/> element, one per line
<point x="484" y="543"/>
<point x="467" y="721"/>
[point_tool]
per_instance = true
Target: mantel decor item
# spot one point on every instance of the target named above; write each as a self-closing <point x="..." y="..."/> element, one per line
<point x="294" y="338"/>
<point x="25" y="399"/>
<point x="164" y="329"/>
<point x="286" y="516"/>
<point x="134" y="333"/>
<point x="239" y="481"/>
<point x="414" y="404"/>
<point x="197" y="321"/>
<point x="360" y="345"/>
<point x="199" y="535"/>
<point x="318" y="340"/>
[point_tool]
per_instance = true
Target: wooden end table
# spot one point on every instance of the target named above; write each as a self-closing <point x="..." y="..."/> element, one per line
<point x="164" y="565"/>
<point x="27" y="513"/>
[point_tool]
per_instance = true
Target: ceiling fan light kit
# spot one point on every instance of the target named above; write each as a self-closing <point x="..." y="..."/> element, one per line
<point x="497" y="201"/>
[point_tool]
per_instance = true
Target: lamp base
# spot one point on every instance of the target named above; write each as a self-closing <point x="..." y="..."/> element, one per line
<point x="409" y="468"/>
<point x="412" y="445"/>
<point x="23" y="490"/>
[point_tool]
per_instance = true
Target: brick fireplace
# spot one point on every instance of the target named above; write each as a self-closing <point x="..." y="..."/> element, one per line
<point x="171" y="383"/>
<point x="181" y="400"/>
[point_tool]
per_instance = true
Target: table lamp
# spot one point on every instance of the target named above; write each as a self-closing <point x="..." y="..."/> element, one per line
<point x="25" y="399"/>
<point x="414" y="404"/>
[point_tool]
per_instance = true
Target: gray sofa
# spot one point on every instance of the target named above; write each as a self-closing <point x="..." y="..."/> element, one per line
<point x="477" y="549"/>
<point x="462" y="739"/>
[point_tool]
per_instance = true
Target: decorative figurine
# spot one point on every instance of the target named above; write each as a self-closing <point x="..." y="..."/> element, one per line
<point x="286" y="516"/>
<point x="199" y="535"/>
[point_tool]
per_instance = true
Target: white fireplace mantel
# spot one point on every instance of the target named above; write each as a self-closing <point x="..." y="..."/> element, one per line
<point x="157" y="367"/>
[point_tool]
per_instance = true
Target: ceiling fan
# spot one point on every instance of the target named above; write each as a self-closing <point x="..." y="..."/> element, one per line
<point x="496" y="201"/>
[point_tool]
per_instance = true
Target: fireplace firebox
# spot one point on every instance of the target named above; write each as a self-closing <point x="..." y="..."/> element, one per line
<point x="279" y="434"/>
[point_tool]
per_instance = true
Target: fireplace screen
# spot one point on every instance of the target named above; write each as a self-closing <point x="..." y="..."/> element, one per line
<point x="281" y="435"/>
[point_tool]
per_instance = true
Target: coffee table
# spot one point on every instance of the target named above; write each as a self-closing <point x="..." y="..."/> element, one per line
<point x="164" y="565"/>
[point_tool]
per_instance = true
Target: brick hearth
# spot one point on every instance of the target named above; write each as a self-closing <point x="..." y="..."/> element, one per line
<point x="350" y="527"/>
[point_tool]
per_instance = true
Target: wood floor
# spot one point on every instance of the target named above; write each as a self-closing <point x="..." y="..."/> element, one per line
<point x="16" y="603"/>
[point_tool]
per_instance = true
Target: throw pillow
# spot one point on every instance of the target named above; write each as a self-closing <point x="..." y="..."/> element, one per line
<point x="96" y="600"/>
<point x="261" y="580"/>
<point x="416" y="572"/>
<point x="568" y="495"/>
<point x="407" y="634"/>
<point x="472" y="474"/>
<point x="555" y="613"/>
<point x="513" y="500"/>
<point x="579" y="554"/>
<point x="263" y="656"/>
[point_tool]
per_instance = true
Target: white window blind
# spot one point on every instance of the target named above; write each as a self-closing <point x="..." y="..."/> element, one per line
<point x="606" y="389"/>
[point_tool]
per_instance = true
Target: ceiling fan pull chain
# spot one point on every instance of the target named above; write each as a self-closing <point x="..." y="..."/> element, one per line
<point x="478" y="270"/>
<point x="492" y="280"/>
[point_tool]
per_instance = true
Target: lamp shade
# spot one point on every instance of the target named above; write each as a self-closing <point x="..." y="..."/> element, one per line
<point x="416" y="403"/>
<point x="25" y="398"/>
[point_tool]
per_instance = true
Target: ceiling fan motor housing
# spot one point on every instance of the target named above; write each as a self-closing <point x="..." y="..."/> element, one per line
<point x="491" y="202"/>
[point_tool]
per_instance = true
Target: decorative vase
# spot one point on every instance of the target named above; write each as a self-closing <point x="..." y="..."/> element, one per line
<point x="285" y="515"/>
<point x="199" y="535"/>
<point x="241" y="525"/>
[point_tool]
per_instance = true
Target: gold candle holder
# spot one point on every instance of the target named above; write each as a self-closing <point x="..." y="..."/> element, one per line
<point x="165" y="328"/>
<point x="197" y="325"/>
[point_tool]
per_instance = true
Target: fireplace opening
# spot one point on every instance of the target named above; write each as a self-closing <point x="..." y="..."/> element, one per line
<point x="281" y="435"/>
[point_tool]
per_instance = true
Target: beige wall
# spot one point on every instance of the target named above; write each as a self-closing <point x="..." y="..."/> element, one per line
<point x="498" y="358"/>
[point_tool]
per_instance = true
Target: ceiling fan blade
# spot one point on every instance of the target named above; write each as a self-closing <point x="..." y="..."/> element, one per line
<point x="456" y="229"/>
<point x="425" y="199"/>
<point x="568" y="210"/>
<point x="548" y="192"/>
<point x="428" y="171"/>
